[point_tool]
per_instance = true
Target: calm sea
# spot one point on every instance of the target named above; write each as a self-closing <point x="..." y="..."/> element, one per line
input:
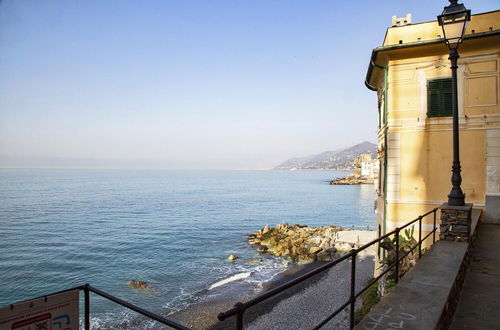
<point x="172" y="229"/>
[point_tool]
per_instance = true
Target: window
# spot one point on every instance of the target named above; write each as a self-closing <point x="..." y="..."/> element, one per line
<point x="439" y="98"/>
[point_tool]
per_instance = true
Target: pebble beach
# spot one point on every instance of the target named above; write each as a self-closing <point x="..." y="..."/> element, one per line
<point x="299" y="307"/>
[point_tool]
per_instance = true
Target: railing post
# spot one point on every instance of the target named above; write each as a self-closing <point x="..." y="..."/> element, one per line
<point x="239" y="315"/>
<point x="397" y="254"/>
<point x="419" y="237"/>
<point x="353" y="288"/>
<point x="87" y="306"/>
<point x="434" y="228"/>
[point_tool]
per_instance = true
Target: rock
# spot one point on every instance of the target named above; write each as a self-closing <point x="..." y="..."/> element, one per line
<point x="314" y="241"/>
<point x="266" y="230"/>
<point x="315" y="250"/>
<point x="300" y="243"/>
<point x="324" y="245"/>
<point x="262" y="249"/>
<point x="255" y="241"/>
<point x="305" y="260"/>
<point x="330" y="232"/>
<point x="352" y="179"/>
<point x="138" y="284"/>
<point x="254" y="260"/>
<point x="232" y="257"/>
<point x="343" y="247"/>
<point x="324" y="256"/>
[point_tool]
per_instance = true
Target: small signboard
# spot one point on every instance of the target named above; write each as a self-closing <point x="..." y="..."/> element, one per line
<point x="55" y="312"/>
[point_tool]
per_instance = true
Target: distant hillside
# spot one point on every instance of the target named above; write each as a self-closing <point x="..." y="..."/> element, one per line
<point x="330" y="160"/>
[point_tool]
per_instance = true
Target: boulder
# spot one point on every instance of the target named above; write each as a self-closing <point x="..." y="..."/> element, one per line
<point x="343" y="247"/>
<point x="316" y="241"/>
<point x="266" y="230"/>
<point x="232" y="257"/>
<point x="138" y="284"/>
<point x="314" y="249"/>
<point x="324" y="256"/>
<point x="256" y="260"/>
<point x="262" y="249"/>
<point x="325" y="243"/>
<point x="300" y="243"/>
<point x="255" y="241"/>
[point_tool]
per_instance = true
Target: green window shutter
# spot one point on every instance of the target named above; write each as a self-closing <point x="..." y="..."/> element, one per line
<point x="439" y="98"/>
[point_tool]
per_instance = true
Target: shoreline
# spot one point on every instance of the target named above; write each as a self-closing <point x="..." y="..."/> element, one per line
<point x="203" y="314"/>
<point x="296" y="305"/>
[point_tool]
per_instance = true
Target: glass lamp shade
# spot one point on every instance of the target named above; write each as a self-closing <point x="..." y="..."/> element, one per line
<point x="453" y="20"/>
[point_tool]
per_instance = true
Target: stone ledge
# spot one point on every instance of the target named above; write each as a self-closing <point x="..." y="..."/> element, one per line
<point x="422" y="297"/>
<point x="466" y="207"/>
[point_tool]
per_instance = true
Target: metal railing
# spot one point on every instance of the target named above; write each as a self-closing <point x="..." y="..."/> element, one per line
<point x="87" y="289"/>
<point x="239" y="308"/>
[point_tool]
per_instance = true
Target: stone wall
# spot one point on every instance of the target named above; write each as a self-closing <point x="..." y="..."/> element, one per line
<point x="455" y="222"/>
<point x="452" y="303"/>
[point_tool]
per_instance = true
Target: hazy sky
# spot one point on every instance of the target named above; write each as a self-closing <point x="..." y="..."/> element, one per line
<point x="189" y="84"/>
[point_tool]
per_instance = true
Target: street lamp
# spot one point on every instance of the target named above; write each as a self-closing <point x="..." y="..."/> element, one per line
<point x="453" y="20"/>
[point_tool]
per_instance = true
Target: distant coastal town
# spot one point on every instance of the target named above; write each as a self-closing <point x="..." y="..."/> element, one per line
<point x="361" y="159"/>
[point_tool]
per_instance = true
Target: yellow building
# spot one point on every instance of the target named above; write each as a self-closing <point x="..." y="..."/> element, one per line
<point x="411" y="74"/>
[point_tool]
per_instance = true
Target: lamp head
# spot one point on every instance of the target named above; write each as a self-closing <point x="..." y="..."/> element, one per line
<point x="453" y="20"/>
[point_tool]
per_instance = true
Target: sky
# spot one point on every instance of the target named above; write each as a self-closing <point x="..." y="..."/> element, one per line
<point x="184" y="84"/>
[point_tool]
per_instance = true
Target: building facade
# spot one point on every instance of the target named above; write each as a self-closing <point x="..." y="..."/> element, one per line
<point x="411" y="74"/>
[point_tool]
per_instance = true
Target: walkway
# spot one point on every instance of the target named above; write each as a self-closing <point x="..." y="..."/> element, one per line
<point x="479" y="303"/>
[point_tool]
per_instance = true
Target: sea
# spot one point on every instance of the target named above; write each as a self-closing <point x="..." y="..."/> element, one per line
<point x="61" y="228"/>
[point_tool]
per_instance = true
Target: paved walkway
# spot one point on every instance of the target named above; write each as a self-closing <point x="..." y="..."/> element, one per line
<point x="479" y="304"/>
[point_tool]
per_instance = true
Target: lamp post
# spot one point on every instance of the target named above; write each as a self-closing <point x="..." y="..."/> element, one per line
<point x="453" y="20"/>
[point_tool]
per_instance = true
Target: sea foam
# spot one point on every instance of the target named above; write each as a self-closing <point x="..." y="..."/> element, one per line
<point x="236" y="277"/>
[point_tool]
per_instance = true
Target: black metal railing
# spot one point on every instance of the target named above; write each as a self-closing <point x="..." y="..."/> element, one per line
<point x="86" y="322"/>
<point x="239" y="308"/>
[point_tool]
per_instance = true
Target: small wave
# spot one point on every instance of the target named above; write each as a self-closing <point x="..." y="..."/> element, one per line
<point x="233" y="278"/>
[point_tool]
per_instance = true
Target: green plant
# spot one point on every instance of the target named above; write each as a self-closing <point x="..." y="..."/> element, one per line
<point x="389" y="284"/>
<point x="369" y="298"/>
<point x="406" y="243"/>
<point x="372" y="295"/>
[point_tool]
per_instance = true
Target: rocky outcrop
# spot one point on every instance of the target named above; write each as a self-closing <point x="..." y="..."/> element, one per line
<point x="300" y="243"/>
<point x="138" y="284"/>
<point x="352" y="179"/>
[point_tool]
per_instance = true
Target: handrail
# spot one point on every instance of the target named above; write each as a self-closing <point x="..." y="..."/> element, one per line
<point x="137" y="309"/>
<point x="87" y="289"/>
<point x="239" y="308"/>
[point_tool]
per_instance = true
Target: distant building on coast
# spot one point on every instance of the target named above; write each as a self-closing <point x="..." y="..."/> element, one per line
<point x="366" y="166"/>
<point x="411" y="74"/>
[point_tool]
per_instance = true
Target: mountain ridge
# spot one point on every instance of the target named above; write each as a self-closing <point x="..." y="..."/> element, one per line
<point x="341" y="159"/>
